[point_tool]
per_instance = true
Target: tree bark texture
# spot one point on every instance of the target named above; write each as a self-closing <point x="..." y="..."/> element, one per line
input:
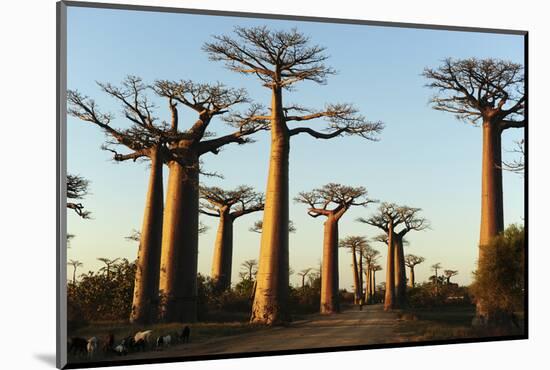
<point x="329" y="276"/>
<point x="270" y="301"/>
<point x="400" y="275"/>
<point x="223" y="251"/>
<point x="356" y="286"/>
<point x="492" y="216"/>
<point x="146" y="288"/>
<point x="178" y="277"/>
<point x="389" y="299"/>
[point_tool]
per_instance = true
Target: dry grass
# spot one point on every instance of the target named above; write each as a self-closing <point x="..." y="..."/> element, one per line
<point x="446" y="323"/>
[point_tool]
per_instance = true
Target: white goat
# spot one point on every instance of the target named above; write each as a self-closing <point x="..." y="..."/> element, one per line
<point x="164" y="341"/>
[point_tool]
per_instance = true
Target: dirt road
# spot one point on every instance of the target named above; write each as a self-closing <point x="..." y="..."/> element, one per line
<point x="352" y="327"/>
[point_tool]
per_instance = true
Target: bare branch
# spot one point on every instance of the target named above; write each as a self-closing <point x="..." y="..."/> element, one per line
<point x="473" y="89"/>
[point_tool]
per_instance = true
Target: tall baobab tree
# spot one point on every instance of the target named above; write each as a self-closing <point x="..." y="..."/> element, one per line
<point x="145" y="138"/>
<point x="411" y="261"/>
<point x="387" y="219"/>
<point x="303" y="274"/>
<point x="75" y="264"/>
<point x="280" y="59"/>
<point x="77" y="188"/>
<point x="227" y="205"/>
<point x="370" y="255"/>
<point x="436" y="267"/>
<point x="449" y="274"/>
<point x="410" y="221"/>
<point x="178" y="273"/>
<point x="340" y="198"/>
<point x="354" y="244"/>
<point x="492" y="92"/>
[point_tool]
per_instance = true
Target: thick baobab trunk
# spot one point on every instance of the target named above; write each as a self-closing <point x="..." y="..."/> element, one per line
<point x="329" y="275"/>
<point x="400" y="276"/>
<point x="356" y="285"/>
<point x="223" y="251"/>
<point x="146" y="288"/>
<point x="492" y="216"/>
<point x="270" y="301"/>
<point x="411" y="277"/>
<point x="178" y="276"/>
<point x="389" y="299"/>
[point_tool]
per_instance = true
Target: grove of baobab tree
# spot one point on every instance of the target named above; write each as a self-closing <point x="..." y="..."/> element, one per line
<point x="227" y="205"/>
<point x="490" y="92"/>
<point x="280" y="59"/>
<point x="354" y="244"/>
<point x="411" y="261"/>
<point x="388" y="218"/>
<point x="370" y="255"/>
<point x="372" y="290"/>
<point x="340" y="198"/>
<point x="411" y="221"/>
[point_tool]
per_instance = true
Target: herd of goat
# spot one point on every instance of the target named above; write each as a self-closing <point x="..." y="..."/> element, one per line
<point x="140" y="341"/>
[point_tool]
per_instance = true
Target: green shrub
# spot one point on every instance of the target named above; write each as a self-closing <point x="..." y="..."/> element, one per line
<point x="499" y="279"/>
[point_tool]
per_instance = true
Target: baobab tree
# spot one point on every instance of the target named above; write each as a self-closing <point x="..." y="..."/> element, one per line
<point x="492" y="92"/>
<point x="340" y="198"/>
<point x="145" y="138"/>
<point x="227" y="205"/>
<point x="354" y="244"/>
<point x="303" y="274"/>
<point x="449" y="274"/>
<point x="370" y="255"/>
<point x="280" y="59"/>
<point x="436" y="267"/>
<point x="178" y="273"/>
<point x="410" y="261"/>
<point x="77" y="188"/>
<point x="75" y="264"/>
<point x="387" y="219"/>
<point x="410" y="221"/>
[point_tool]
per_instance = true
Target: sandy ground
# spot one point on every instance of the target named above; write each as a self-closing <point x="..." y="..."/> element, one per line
<point x="352" y="327"/>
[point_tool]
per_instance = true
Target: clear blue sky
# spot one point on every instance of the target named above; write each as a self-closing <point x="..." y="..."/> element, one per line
<point x="425" y="158"/>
